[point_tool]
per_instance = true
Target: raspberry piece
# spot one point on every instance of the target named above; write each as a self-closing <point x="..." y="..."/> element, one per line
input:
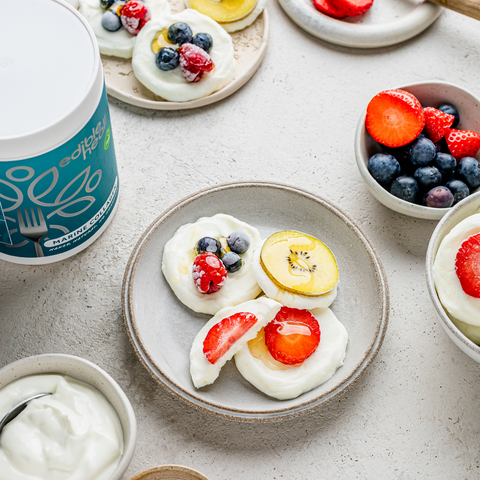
<point x="292" y="336"/>
<point x="225" y="333"/>
<point x="327" y="8"/>
<point x="437" y="123"/>
<point x="194" y="62"/>
<point x="394" y="118"/>
<point x="208" y="273"/>
<point x="134" y="15"/>
<point x="462" y="143"/>
<point x="352" y="8"/>
<point x="467" y="265"/>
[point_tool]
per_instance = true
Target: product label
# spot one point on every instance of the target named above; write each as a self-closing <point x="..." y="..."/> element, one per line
<point x="54" y="202"/>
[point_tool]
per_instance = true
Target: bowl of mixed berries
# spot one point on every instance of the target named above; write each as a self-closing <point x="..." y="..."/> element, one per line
<point x="417" y="147"/>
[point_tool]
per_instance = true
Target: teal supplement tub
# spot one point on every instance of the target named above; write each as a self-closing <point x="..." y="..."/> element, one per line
<point x="58" y="171"/>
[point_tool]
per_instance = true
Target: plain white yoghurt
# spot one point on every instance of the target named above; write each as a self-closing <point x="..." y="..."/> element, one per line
<point x="459" y="304"/>
<point x="201" y="370"/>
<point x="172" y="85"/>
<point x="179" y="254"/>
<point x="315" y="370"/>
<point x="74" y="434"/>
<point x="288" y="299"/>
<point x="119" y="43"/>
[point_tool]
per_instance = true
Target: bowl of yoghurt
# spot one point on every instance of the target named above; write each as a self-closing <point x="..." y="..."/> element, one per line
<point x="84" y="430"/>
<point x="453" y="274"/>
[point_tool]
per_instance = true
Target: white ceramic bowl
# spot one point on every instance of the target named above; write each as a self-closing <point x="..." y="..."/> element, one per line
<point x="430" y="93"/>
<point x="459" y="212"/>
<point x="87" y="372"/>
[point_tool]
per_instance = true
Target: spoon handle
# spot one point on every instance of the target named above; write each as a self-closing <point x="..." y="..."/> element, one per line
<point x="466" y="7"/>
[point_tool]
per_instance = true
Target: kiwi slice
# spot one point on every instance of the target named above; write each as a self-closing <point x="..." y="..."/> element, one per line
<point x="299" y="263"/>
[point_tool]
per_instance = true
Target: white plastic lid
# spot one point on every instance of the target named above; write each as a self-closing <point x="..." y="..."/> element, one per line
<point x="51" y="77"/>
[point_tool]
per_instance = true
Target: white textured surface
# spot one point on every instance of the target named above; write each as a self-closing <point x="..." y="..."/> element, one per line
<point x="414" y="413"/>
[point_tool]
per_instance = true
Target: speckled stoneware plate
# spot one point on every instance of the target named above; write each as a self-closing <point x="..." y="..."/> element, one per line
<point x="169" y="472"/>
<point x="386" y="23"/>
<point x="250" y="45"/>
<point x="162" y="329"/>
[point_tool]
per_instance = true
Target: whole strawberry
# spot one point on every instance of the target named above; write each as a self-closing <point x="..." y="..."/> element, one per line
<point x="437" y="123"/>
<point x="462" y="143"/>
<point x="194" y="62"/>
<point x="134" y="15"/>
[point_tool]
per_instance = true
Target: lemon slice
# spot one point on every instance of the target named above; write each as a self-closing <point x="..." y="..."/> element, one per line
<point x="299" y="263"/>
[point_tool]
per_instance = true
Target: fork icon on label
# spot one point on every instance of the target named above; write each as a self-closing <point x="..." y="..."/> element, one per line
<point x="33" y="229"/>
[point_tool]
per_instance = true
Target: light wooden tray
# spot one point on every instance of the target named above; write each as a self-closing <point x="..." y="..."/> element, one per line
<point x="250" y="45"/>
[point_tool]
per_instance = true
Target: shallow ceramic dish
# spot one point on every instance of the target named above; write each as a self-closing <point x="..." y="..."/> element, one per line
<point x="169" y="472"/>
<point x="464" y="209"/>
<point x="87" y="372"/>
<point x="162" y="329"/>
<point x="386" y="23"/>
<point x="430" y="94"/>
<point x="250" y="46"/>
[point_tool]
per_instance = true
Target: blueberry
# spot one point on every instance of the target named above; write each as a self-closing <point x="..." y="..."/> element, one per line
<point x="239" y="242"/>
<point x="440" y="197"/>
<point x="422" y="151"/>
<point x="106" y="4"/>
<point x="428" y="177"/>
<point x="179" y="33"/>
<point x="451" y="110"/>
<point x="232" y="262"/>
<point x="203" y="40"/>
<point x="384" y="168"/>
<point x="167" y="59"/>
<point x="406" y="188"/>
<point x="208" y="244"/>
<point x="441" y="146"/>
<point x="468" y="171"/>
<point x="458" y="189"/>
<point x="445" y="163"/>
<point x="111" y="21"/>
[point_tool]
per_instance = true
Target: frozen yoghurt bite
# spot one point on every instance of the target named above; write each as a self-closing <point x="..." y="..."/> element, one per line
<point x="73" y="434"/>
<point x="456" y="272"/>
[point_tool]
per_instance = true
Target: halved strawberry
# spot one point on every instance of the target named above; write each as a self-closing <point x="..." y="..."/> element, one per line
<point x="394" y="118"/>
<point x="352" y="8"/>
<point x="327" y="8"/>
<point x="467" y="265"/>
<point x="292" y="336"/>
<point x="437" y="123"/>
<point x="225" y="333"/>
<point x="462" y="143"/>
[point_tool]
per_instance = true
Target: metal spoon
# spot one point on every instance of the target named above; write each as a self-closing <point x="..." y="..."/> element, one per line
<point x="15" y="411"/>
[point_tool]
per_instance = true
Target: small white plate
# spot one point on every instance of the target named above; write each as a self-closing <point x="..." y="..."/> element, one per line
<point x="386" y="23"/>
<point x="162" y="329"/>
<point x="250" y="46"/>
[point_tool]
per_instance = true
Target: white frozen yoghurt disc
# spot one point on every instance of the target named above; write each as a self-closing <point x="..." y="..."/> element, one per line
<point x="119" y="43"/>
<point x="201" y="370"/>
<point x="315" y="370"/>
<point x="172" y="85"/>
<point x="458" y="303"/>
<point x="178" y="256"/>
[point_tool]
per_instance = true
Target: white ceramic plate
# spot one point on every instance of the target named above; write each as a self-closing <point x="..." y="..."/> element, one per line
<point x="250" y="46"/>
<point x="386" y="23"/>
<point x="162" y="329"/>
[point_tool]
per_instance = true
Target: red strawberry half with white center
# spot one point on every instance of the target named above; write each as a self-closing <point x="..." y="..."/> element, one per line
<point x="437" y="123"/>
<point x="352" y="8"/>
<point x="394" y="118"/>
<point x="194" y="62"/>
<point x="462" y="143"/>
<point x="292" y="336"/>
<point x="225" y="334"/>
<point x="467" y="266"/>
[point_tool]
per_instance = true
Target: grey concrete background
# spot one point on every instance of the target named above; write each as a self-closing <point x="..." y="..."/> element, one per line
<point x="414" y="413"/>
